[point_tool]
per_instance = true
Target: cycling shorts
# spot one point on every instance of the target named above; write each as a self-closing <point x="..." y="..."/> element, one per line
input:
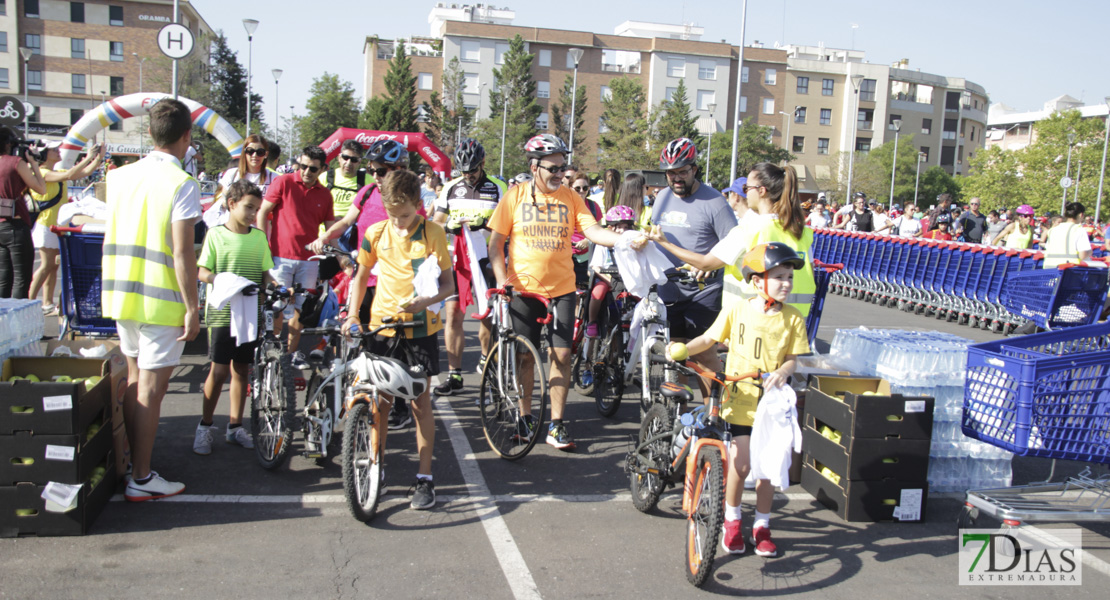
<point x="525" y="312"/>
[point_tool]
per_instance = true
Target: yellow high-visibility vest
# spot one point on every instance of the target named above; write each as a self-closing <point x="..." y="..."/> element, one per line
<point x="138" y="280"/>
<point x="1061" y="245"/>
<point x="804" y="285"/>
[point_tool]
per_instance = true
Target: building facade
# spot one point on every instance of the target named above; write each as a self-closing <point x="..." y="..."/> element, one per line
<point x="1013" y="130"/>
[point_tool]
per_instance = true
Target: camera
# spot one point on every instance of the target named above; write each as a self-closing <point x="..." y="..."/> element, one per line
<point x="23" y="147"/>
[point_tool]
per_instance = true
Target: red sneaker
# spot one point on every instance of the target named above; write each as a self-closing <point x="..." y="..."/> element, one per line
<point x="761" y="539"/>
<point x="731" y="539"/>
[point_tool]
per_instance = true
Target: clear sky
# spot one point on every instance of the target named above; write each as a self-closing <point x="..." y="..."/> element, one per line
<point x="1023" y="52"/>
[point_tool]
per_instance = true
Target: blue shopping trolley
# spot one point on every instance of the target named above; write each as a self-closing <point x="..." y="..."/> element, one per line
<point x="80" y="303"/>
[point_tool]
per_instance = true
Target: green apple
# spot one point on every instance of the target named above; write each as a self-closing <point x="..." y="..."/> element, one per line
<point x="95" y="427"/>
<point x="33" y="378"/>
<point x="25" y="512"/>
<point x="91" y="382"/>
<point x="23" y="461"/>
<point x="16" y="378"/>
<point x="23" y="409"/>
<point x="62" y="378"/>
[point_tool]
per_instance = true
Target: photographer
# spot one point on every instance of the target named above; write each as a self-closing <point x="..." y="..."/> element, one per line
<point x="17" y="255"/>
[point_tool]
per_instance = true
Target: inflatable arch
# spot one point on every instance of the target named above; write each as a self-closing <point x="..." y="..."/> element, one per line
<point x="135" y="105"/>
<point x="414" y="142"/>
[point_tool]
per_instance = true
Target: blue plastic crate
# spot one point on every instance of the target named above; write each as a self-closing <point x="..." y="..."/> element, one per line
<point x="1054" y="298"/>
<point x="1045" y="395"/>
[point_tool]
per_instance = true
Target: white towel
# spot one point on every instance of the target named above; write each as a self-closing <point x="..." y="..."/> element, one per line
<point x="227" y="288"/>
<point x="640" y="269"/>
<point x="426" y="282"/>
<point x="775" y="434"/>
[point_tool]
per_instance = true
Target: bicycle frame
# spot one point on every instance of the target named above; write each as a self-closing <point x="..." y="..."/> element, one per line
<point x="649" y="327"/>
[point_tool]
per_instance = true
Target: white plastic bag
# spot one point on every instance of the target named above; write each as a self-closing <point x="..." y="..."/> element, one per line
<point x="426" y="282"/>
<point x="775" y="436"/>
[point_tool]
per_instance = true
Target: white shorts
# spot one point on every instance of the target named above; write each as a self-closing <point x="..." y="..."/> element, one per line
<point x="288" y="271"/>
<point x="42" y="237"/>
<point x="155" y="346"/>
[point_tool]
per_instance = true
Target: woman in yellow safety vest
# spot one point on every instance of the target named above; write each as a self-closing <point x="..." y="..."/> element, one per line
<point x="1019" y="234"/>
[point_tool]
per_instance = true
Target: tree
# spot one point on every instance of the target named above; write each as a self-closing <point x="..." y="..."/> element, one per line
<point x="675" y="120"/>
<point x="447" y="117"/>
<point x="400" y="92"/>
<point x="996" y="179"/>
<point x="375" y="115"/>
<point x="560" y="112"/>
<point x="934" y="182"/>
<point x="515" y="92"/>
<point x="754" y="145"/>
<point x="625" y="130"/>
<point x="331" y="105"/>
<point x="228" y="79"/>
<point x="872" y="171"/>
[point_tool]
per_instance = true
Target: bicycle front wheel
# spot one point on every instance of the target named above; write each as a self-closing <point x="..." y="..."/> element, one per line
<point x="363" y="455"/>
<point x="512" y="427"/>
<point x="273" y="400"/>
<point x="703" y="524"/>
<point x="647" y="487"/>
<point x="609" y="374"/>
<point x="652" y="374"/>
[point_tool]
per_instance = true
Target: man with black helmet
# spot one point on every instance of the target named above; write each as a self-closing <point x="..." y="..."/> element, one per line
<point x="468" y="201"/>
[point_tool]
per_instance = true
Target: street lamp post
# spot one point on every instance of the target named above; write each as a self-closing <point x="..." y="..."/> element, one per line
<point x="504" y="121"/>
<point x="277" y="106"/>
<point x="1102" y="171"/>
<point x="142" y="119"/>
<point x="1067" y="173"/>
<point x="856" y="80"/>
<point x="897" y="123"/>
<point x="712" y="106"/>
<point x="26" y="54"/>
<point x="576" y="54"/>
<point x="250" y="25"/>
<point x="1078" y="178"/>
<point x="917" y="178"/>
<point x="292" y="121"/>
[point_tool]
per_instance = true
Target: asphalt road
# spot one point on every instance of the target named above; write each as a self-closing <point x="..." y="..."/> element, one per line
<point x="553" y="525"/>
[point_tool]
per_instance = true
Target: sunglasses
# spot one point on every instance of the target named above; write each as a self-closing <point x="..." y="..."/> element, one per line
<point x="347" y="157"/>
<point x="381" y="172"/>
<point x="255" y="151"/>
<point x="472" y="171"/>
<point x="583" y="188"/>
<point x="679" y="173"/>
<point x="748" y="188"/>
<point x="551" y="169"/>
<point x="309" y="168"/>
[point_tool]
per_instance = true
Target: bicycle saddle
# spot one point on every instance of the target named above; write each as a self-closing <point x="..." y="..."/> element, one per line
<point x="677" y="391"/>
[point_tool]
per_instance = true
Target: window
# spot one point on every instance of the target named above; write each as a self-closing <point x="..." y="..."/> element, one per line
<point x="865" y="119"/>
<point x="799" y="143"/>
<point x="973" y="133"/>
<point x="424" y="81"/>
<point x="75" y="115"/>
<point x="826" y="116"/>
<point x="743" y="104"/>
<point x="541" y="121"/>
<point x="676" y="67"/>
<point x="863" y="145"/>
<point x="803" y="85"/>
<point x="606" y="93"/>
<point x="707" y="69"/>
<point x="925" y="150"/>
<point x="117" y="126"/>
<point x="470" y="83"/>
<point x="669" y="94"/>
<point x="705" y="98"/>
<point x="3" y="7"/>
<point x="115" y="86"/>
<point x="867" y="90"/>
<point x="543" y="89"/>
<point x="3" y="41"/>
<point x="470" y="52"/>
<point x="4" y="83"/>
<point x="620" y="61"/>
<point x="947" y="156"/>
<point x="545" y="58"/>
<point x="570" y="60"/>
<point x="33" y="41"/>
<point x="34" y="80"/>
<point x="768" y="106"/>
<point x="115" y="51"/>
<point x="799" y="114"/>
<point x="890" y="121"/>
<point x="952" y="101"/>
<point x="769" y="76"/>
<point x="827" y="87"/>
<point x="744" y="75"/>
<point x="78" y="83"/>
<point x="822" y="145"/>
<point x="949" y="132"/>
<point x="926" y="126"/>
<point x="76" y="48"/>
<point x="115" y="16"/>
<point x="499" y="53"/>
<point x="601" y="128"/>
<point x="31" y="9"/>
<point x="76" y="12"/>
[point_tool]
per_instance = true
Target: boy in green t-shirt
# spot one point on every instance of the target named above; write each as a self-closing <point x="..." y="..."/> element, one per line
<point x="766" y="335"/>
<point x="234" y="247"/>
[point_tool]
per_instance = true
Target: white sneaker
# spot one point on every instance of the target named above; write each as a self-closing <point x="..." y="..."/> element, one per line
<point x="239" y="436"/>
<point x="154" y="489"/>
<point x="202" y="443"/>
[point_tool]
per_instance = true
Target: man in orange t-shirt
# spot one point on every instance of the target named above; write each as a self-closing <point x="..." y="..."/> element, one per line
<point x="537" y="219"/>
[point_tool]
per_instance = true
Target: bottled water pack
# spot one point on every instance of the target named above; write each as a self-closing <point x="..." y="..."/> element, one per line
<point x="21" y="324"/>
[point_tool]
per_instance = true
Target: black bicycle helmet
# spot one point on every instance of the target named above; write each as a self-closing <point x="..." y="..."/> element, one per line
<point x="469" y="155"/>
<point x="545" y="144"/>
<point x="678" y="154"/>
<point x="388" y="152"/>
<point x="765" y="257"/>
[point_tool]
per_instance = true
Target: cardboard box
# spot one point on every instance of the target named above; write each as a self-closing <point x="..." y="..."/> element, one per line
<point x="28" y="497"/>
<point x="66" y="459"/>
<point x="868" y="458"/>
<point x="840" y="403"/>
<point x="866" y="501"/>
<point x="52" y="407"/>
<point x="796" y="457"/>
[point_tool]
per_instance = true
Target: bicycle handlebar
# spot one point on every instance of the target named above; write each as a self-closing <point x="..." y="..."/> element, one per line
<point x="690" y="367"/>
<point x="508" y="292"/>
<point x="339" y="330"/>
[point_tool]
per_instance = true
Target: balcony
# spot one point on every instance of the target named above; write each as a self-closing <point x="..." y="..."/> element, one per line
<point x="615" y="68"/>
<point x="865" y="125"/>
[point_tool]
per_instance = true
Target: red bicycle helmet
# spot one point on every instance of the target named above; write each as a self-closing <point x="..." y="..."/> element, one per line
<point x="677" y="154"/>
<point x="545" y="144"/>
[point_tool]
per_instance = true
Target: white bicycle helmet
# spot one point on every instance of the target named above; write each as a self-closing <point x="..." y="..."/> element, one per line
<point x="392" y="376"/>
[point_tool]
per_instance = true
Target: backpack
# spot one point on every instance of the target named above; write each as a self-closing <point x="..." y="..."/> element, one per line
<point x="36" y="207"/>
<point x="360" y="178"/>
<point x="348" y="241"/>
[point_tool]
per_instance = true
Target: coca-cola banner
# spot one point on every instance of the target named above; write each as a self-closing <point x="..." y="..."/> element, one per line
<point x="414" y="142"/>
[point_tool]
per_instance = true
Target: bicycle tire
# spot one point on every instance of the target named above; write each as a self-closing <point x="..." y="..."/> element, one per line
<point x="501" y="411"/>
<point x="272" y="410"/>
<point x="646" y="489"/>
<point x="324" y="400"/>
<point x="363" y="462"/>
<point x="581" y="365"/>
<point x="703" y="525"/>
<point x="609" y="374"/>
<point x="655" y="374"/>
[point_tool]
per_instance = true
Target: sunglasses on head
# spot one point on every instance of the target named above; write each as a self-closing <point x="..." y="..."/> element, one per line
<point x="255" y="151"/>
<point x="348" y="157"/>
<point x="309" y="168"/>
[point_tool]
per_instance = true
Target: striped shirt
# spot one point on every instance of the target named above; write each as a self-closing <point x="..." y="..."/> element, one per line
<point x="225" y="251"/>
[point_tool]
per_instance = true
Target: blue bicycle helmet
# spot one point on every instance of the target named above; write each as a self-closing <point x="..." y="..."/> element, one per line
<point x="388" y="152"/>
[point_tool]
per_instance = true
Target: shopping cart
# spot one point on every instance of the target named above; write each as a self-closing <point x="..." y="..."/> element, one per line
<point x="1043" y="395"/>
<point x="822" y="273"/>
<point x="1068" y="296"/>
<point x="80" y="303"/>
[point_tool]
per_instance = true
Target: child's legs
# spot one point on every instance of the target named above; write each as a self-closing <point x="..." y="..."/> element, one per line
<point x="739" y="465"/>
<point x="425" y="431"/>
<point x="239" y="379"/>
<point x="217" y="376"/>
<point x="597" y="296"/>
<point x="764" y="494"/>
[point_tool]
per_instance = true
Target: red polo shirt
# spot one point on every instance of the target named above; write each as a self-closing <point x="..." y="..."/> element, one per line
<point x="299" y="211"/>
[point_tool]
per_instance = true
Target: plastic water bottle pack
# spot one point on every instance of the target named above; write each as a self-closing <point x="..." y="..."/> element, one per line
<point x="21" y="324"/>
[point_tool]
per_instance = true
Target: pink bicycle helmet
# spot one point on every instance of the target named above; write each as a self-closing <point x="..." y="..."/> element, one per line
<point x="1025" y="209"/>
<point x="620" y="213"/>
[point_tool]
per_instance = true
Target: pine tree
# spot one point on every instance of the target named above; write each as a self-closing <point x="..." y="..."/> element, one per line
<point x="448" y="118"/>
<point x="375" y="115"/>
<point x="515" y="91"/>
<point x="400" y="94"/>
<point x="676" y="120"/>
<point x="625" y="128"/>
<point x="560" y="113"/>
<point x="331" y="105"/>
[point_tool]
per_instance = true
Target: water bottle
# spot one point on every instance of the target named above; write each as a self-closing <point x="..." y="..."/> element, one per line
<point x="355" y="329"/>
<point x="684" y="434"/>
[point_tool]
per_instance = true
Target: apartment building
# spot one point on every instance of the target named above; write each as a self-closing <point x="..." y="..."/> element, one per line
<point x="1013" y="130"/>
<point x="84" y="52"/>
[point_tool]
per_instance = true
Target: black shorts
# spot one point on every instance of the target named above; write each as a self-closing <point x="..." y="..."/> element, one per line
<point x="739" y="430"/>
<point x="582" y="274"/>
<point x="223" y="348"/>
<point x="691" y="310"/>
<point x="367" y="302"/>
<point x="526" y="311"/>
<point x="424" y="351"/>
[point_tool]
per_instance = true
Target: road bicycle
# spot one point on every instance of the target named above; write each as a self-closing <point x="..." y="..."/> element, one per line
<point x="511" y="397"/>
<point x="692" y="448"/>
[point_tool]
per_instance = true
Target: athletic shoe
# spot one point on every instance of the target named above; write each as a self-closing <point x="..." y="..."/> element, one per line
<point x="202" y="443"/>
<point x="761" y="539"/>
<point x="452" y="384"/>
<point x="299" y="361"/>
<point x="424" y="494"/>
<point x="399" y="416"/>
<point x="731" y="539"/>
<point x="153" y="489"/>
<point x="591" y="330"/>
<point x="558" y="437"/>
<point x="49" y="309"/>
<point x="239" y="436"/>
<point x="525" y="427"/>
<point x="481" y="365"/>
<point x="586" y="376"/>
